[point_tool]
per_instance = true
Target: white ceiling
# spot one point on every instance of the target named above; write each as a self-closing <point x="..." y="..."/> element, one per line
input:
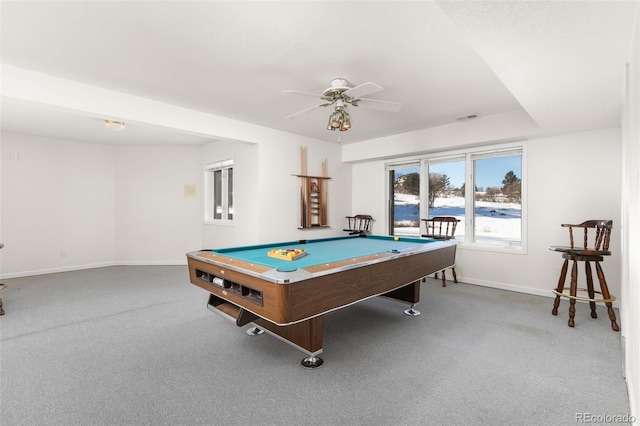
<point x="560" y="61"/>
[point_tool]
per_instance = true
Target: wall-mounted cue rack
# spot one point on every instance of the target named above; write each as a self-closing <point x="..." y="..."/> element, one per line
<point x="313" y="195"/>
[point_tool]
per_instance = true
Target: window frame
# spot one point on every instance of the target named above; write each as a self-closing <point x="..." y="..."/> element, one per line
<point x="500" y="151"/>
<point x="226" y="192"/>
<point x="390" y="168"/>
<point x="470" y="155"/>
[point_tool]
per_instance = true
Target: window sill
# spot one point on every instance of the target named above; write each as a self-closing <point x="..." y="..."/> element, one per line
<point x="498" y="248"/>
<point x="220" y="223"/>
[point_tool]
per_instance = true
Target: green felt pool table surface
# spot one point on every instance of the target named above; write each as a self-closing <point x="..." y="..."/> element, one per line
<point x="326" y="250"/>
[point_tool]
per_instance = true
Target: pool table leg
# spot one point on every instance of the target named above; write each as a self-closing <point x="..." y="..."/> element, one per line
<point x="409" y="293"/>
<point x="412" y="312"/>
<point x="312" y="361"/>
<point x="306" y="335"/>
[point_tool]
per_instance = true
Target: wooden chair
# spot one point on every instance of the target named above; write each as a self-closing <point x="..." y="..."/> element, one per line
<point x="359" y="224"/>
<point x="600" y="233"/>
<point x="442" y="228"/>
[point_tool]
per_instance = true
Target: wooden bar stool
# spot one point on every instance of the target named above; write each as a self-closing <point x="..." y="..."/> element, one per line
<point x="601" y="238"/>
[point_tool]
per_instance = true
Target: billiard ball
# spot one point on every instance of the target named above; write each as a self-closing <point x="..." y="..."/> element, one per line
<point x="396" y="238"/>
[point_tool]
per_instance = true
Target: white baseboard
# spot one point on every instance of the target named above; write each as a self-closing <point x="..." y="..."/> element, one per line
<point x="519" y="289"/>
<point x="92" y="266"/>
<point x="633" y="409"/>
<point x="509" y="287"/>
<point x="55" y="270"/>
<point x="152" y="263"/>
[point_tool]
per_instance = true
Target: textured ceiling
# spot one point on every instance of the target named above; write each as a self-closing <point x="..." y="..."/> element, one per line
<point x="560" y="61"/>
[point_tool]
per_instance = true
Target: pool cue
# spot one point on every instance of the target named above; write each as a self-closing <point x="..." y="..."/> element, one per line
<point x="323" y="195"/>
<point x="303" y="187"/>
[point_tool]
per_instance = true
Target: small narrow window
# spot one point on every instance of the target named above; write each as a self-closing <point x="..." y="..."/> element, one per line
<point x="219" y="192"/>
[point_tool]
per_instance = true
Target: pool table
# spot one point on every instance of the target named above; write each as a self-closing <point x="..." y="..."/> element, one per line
<point x="288" y="298"/>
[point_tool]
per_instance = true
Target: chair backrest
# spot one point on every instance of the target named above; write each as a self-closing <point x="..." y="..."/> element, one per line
<point x="601" y="236"/>
<point x="359" y="223"/>
<point x="441" y="227"/>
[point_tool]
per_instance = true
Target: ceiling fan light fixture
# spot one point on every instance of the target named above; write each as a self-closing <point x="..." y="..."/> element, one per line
<point x="346" y="123"/>
<point x="341" y="95"/>
<point x="339" y="120"/>
<point x="333" y="121"/>
<point x="114" y="125"/>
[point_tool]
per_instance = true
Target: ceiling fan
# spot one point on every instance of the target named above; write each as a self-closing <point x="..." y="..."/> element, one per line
<point x="342" y="95"/>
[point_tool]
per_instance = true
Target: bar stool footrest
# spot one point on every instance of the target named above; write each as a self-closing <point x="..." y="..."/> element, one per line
<point x="584" y="299"/>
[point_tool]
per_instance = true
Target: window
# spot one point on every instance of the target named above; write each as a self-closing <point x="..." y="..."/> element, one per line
<point x="219" y="192"/>
<point x="497" y="213"/>
<point x="490" y="214"/>
<point x="404" y="190"/>
<point x="446" y="189"/>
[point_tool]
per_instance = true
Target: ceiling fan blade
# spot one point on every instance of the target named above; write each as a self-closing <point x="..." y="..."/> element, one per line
<point x="305" y="110"/>
<point x="315" y="95"/>
<point x="363" y="89"/>
<point x="387" y="106"/>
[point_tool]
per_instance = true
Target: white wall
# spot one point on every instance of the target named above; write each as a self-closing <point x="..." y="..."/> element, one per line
<point x="58" y="198"/>
<point x="630" y="306"/>
<point x="155" y="222"/>
<point x="103" y="205"/>
<point x="72" y="205"/>
<point x="571" y="178"/>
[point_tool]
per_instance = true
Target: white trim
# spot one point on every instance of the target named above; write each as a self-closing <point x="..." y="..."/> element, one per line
<point x="632" y="396"/>
<point x="223" y="164"/>
<point x="403" y="164"/>
<point x="151" y="263"/>
<point x="56" y="270"/>
<point x="519" y="289"/>
<point x="93" y="266"/>
<point x="219" y="222"/>
<point x="209" y="209"/>
<point x="491" y="247"/>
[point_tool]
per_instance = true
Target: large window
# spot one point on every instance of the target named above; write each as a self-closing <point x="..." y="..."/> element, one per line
<point x="483" y="188"/>
<point x="219" y="192"/>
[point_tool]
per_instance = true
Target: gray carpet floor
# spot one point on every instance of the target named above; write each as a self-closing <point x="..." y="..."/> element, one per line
<point x="136" y="345"/>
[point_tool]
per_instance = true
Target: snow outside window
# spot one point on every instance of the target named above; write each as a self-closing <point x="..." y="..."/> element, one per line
<point x="483" y="188"/>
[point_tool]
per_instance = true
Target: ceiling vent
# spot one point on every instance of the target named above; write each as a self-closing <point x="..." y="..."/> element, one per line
<point x="467" y="117"/>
